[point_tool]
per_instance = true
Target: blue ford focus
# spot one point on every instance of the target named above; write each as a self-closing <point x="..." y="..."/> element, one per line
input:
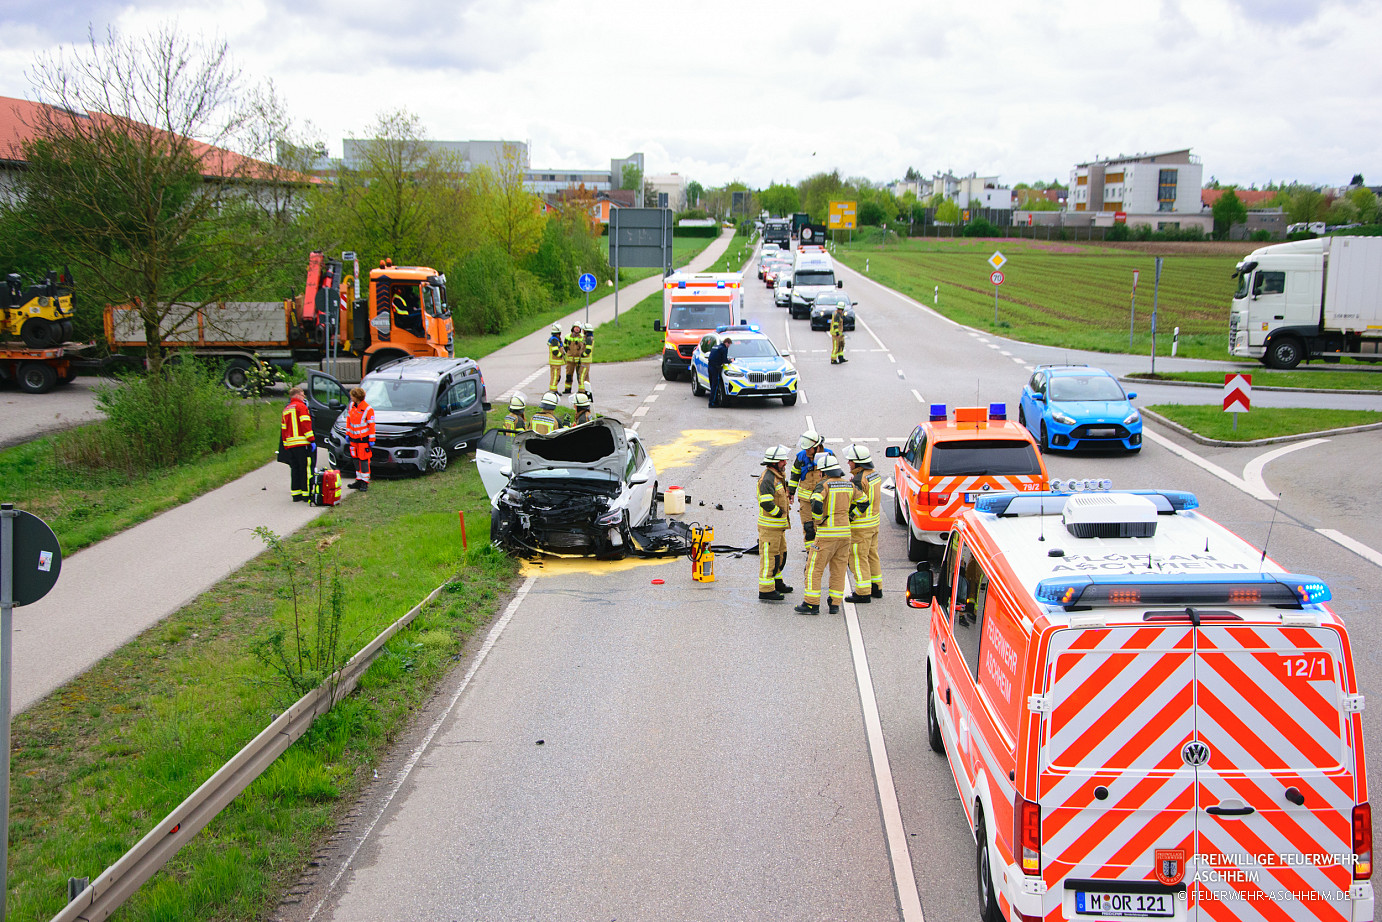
<point x="1070" y="407"/>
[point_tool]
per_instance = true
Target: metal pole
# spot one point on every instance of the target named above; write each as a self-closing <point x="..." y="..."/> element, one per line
<point x="1132" y="317"/>
<point x="1156" y="287"/>
<point x="587" y="308"/>
<point x="7" y="517"/>
<point x="995" y="307"/>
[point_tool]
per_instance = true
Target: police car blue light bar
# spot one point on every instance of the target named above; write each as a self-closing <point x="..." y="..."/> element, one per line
<point x="938" y="412"/>
<point x="1183" y="590"/>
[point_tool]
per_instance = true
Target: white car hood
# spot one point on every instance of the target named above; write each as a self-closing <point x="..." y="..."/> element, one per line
<point x="599" y="445"/>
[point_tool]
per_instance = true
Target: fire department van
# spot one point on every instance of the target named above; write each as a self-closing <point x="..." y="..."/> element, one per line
<point x="694" y="304"/>
<point x="948" y="463"/>
<point x="1144" y="715"/>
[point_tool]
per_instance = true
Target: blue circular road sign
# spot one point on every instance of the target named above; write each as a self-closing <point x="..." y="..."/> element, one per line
<point x="587" y="282"/>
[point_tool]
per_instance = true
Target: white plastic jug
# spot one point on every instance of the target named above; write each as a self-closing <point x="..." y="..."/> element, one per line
<point x="674" y="501"/>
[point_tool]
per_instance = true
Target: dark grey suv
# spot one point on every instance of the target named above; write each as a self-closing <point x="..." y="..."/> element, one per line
<point x="425" y="410"/>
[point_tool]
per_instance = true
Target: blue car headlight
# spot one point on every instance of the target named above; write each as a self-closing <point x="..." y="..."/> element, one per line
<point x="1062" y="418"/>
<point x="1132" y="418"/>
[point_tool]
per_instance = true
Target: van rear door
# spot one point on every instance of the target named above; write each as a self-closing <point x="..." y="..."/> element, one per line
<point x="1276" y="791"/>
<point x="1117" y="801"/>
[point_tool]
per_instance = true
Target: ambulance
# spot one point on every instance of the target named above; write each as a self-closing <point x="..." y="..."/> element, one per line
<point x="1146" y="718"/>
<point x="694" y="304"/>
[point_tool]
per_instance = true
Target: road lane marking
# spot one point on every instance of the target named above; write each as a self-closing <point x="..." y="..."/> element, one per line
<point x="891" y="359"/>
<point x="810" y="423"/>
<point x="504" y="397"/>
<point x="402" y="777"/>
<point x="1202" y="464"/>
<point x="1004" y="352"/>
<point x="908" y="898"/>
<point x="641" y="411"/>
<point x="1252" y="471"/>
<point x="660" y="386"/>
<point x="1357" y="547"/>
<point x="869" y="330"/>
<point x="917" y="395"/>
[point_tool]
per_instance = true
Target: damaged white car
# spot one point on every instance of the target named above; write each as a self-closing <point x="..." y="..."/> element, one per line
<point x="577" y="492"/>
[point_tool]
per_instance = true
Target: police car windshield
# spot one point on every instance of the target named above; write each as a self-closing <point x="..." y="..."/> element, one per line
<point x="1072" y="388"/>
<point x="399" y="396"/>
<point x="984" y="456"/>
<point x="750" y="348"/>
<point x="698" y="316"/>
<point x="806" y="277"/>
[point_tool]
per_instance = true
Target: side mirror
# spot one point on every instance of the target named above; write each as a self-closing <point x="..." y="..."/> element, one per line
<point x="892" y="451"/>
<point x="1038" y="397"/>
<point x="657" y="326"/>
<point x="787" y="285"/>
<point x="638" y="480"/>
<point x="1132" y="395"/>
<point x="840" y="284"/>
<point x="920" y="589"/>
<point x="853" y="303"/>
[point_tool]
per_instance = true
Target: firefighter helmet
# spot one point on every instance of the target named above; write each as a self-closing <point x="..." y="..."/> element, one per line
<point x="775" y="454"/>
<point x="830" y="466"/>
<point x="517" y="402"/>
<point x="549" y="400"/>
<point x="810" y="439"/>
<point x="582" y="399"/>
<point x="859" y="455"/>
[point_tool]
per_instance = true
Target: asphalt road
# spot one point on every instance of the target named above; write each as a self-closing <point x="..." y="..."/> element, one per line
<point x="620" y="749"/>
<point x="27" y="416"/>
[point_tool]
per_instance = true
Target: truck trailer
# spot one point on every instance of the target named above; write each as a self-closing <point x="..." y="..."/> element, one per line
<point x="405" y="314"/>
<point x="1309" y="299"/>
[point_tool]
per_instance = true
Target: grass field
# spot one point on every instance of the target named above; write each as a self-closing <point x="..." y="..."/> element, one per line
<point x="1319" y="380"/>
<point x="634" y="337"/>
<point x="98" y="763"/>
<point x="1054" y="293"/>
<point x="736" y="255"/>
<point x="1262" y="422"/>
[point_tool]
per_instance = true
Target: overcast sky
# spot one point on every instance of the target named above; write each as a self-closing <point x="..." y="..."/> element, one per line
<point x="1260" y="90"/>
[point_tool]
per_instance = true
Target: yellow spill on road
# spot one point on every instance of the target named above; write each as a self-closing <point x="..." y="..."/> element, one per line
<point x="563" y="566"/>
<point x="693" y="443"/>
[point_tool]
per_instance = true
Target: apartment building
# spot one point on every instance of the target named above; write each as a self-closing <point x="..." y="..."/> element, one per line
<point x="1162" y="190"/>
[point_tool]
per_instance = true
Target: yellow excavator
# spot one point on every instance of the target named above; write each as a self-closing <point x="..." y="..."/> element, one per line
<point x="40" y="314"/>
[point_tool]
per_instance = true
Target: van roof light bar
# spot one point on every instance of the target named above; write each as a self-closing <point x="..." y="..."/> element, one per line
<point x="1164" y="589"/>
<point x="1053" y="501"/>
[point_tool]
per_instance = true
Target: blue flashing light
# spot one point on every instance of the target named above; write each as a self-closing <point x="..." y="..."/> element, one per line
<point x="938" y="413"/>
<point x="1179" y="589"/>
<point x="998" y="411"/>
<point x="720" y="283"/>
<point x="681" y="284"/>
<point x="1181" y="500"/>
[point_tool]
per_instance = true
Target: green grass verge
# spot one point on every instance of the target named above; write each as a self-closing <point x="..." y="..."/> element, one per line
<point x="1064" y="294"/>
<point x="736" y="256"/>
<point x="83" y="507"/>
<point x="99" y="762"/>
<point x="634" y="337"/>
<point x="1317" y="380"/>
<point x="1263" y="422"/>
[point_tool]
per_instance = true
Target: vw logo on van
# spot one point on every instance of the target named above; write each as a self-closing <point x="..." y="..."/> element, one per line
<point x="1195" y="753"/>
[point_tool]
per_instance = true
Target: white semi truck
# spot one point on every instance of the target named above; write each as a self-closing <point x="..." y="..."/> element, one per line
<point x="1309" y="299"/>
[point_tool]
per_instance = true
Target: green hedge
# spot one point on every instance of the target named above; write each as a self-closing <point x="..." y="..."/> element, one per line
<point x="712" y="231"/>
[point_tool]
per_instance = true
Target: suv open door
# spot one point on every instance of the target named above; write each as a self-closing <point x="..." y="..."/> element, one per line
<point x="327" y="399"/>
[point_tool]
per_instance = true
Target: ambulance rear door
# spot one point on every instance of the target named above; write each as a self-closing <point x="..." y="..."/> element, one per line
<point x="1276" y="774"/>
<point x="1117" y="801"/>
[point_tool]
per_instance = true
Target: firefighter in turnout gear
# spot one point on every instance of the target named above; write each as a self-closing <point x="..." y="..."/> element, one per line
<point x="831" y="507"/>
<point x="863" y="530"/>
<point x="297" y="439"/>
<point x="556" y="357"/>
<point x="803" y="479"/>
<point x="360" y="432"/>
<point x="584" y="413"/>
<point x="544" y="421"/>
<point x="587" y="356"/>
<point x="837" y="337"/>
<point x="573" y="348"/>
<point x="517" y="419"/>
<point x="773" y="521"/>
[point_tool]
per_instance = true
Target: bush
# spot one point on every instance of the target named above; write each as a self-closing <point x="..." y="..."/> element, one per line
<point x="1118" y="232"/>
<point x="981" y="227"/>
<point x="684" y="232"/>
<point x="157" y="421"/>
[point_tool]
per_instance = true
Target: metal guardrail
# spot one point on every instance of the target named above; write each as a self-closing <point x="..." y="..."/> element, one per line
<point x="123" y="879"/>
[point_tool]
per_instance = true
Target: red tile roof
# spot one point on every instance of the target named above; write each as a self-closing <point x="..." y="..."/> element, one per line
<point x="1252" y="198"/>
<point x="20" y="120"/>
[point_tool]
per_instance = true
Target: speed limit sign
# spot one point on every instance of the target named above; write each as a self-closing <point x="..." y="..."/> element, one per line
<point x="996" y="278"/>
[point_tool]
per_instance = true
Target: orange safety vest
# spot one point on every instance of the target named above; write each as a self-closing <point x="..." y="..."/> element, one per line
<point x="360" y="429"/>
<point x="297" y="424"/>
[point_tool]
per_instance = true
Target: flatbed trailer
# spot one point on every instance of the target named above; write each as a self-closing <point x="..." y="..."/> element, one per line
<point x="36" y="371"/>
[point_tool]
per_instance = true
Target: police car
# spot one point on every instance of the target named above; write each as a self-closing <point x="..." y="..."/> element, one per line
<point x="755" y="367"/>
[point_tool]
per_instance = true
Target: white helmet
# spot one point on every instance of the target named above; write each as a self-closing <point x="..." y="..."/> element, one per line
<point x="775" y="454"/>
<point x="829" y="465"/>
<point x="517" y="402"/>
<point x="556" y="329"/>
<point x="809" y="440"/>
<point x="859" y="455"/>
<point x="549" y="400"/>
<point x="582" y="399"/>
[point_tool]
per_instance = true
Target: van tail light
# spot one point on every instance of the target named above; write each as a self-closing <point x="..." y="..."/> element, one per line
<point x="1362" y="841"/>
<point x="1027" y="834"/>
<point x="933" y="499"/>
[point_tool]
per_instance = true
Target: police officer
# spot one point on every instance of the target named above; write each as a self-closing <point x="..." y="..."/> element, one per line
<point x="715" y="361"/>
<point x="556" y="357"/>
<point x="517" y="419"/>
<point x="584" y="413"/>
<point x="544" y="421"/>
<point x="773" y="522"/>
<point x="803" y="479"/>
<point x="837" y="336"/>
<point x="831" y="507"/>
<point x="573" y="348"/>
<point x="863" y="530"/>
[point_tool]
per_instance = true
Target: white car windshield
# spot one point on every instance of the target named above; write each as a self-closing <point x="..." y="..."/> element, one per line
<point x="1074" y="388"/>
<point x="806" y="278"/>
<point x="401" y="396"/>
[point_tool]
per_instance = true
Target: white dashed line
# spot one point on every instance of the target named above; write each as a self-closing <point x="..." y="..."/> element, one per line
<point x="917" y="395"/>
<point x="650" y="398"/>
<point x="1022" y="362"/>
<point x="660" y="386"/>
<point x="891" y="359"/>
<point x="1004" y="352"/>
<point x="1357" y="547"/>
<point x="641" y="411"/>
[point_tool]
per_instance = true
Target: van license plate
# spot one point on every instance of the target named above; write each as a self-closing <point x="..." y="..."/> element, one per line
<point x="1130" y="905"/>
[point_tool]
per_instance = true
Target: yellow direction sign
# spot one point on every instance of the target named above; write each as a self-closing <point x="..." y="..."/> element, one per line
<point x="997" y="260"/>
<point x="841" y="215"/>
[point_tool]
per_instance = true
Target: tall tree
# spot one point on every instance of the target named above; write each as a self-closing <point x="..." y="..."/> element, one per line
<point x="1306" y="204"/>
<point x="780" y="199"/>
<point x="694" y="191"/>
<point x="1228" y="211"/>
<point x="140" y="172"/>
<point x="510" y="214"/>
<point x="1366" y="203"/>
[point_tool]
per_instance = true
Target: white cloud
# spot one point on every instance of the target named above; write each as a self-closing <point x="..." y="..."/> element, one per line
<point x="1260" y="89"/>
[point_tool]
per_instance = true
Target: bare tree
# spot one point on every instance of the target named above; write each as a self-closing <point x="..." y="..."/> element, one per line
<point x="135" y="178"/>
